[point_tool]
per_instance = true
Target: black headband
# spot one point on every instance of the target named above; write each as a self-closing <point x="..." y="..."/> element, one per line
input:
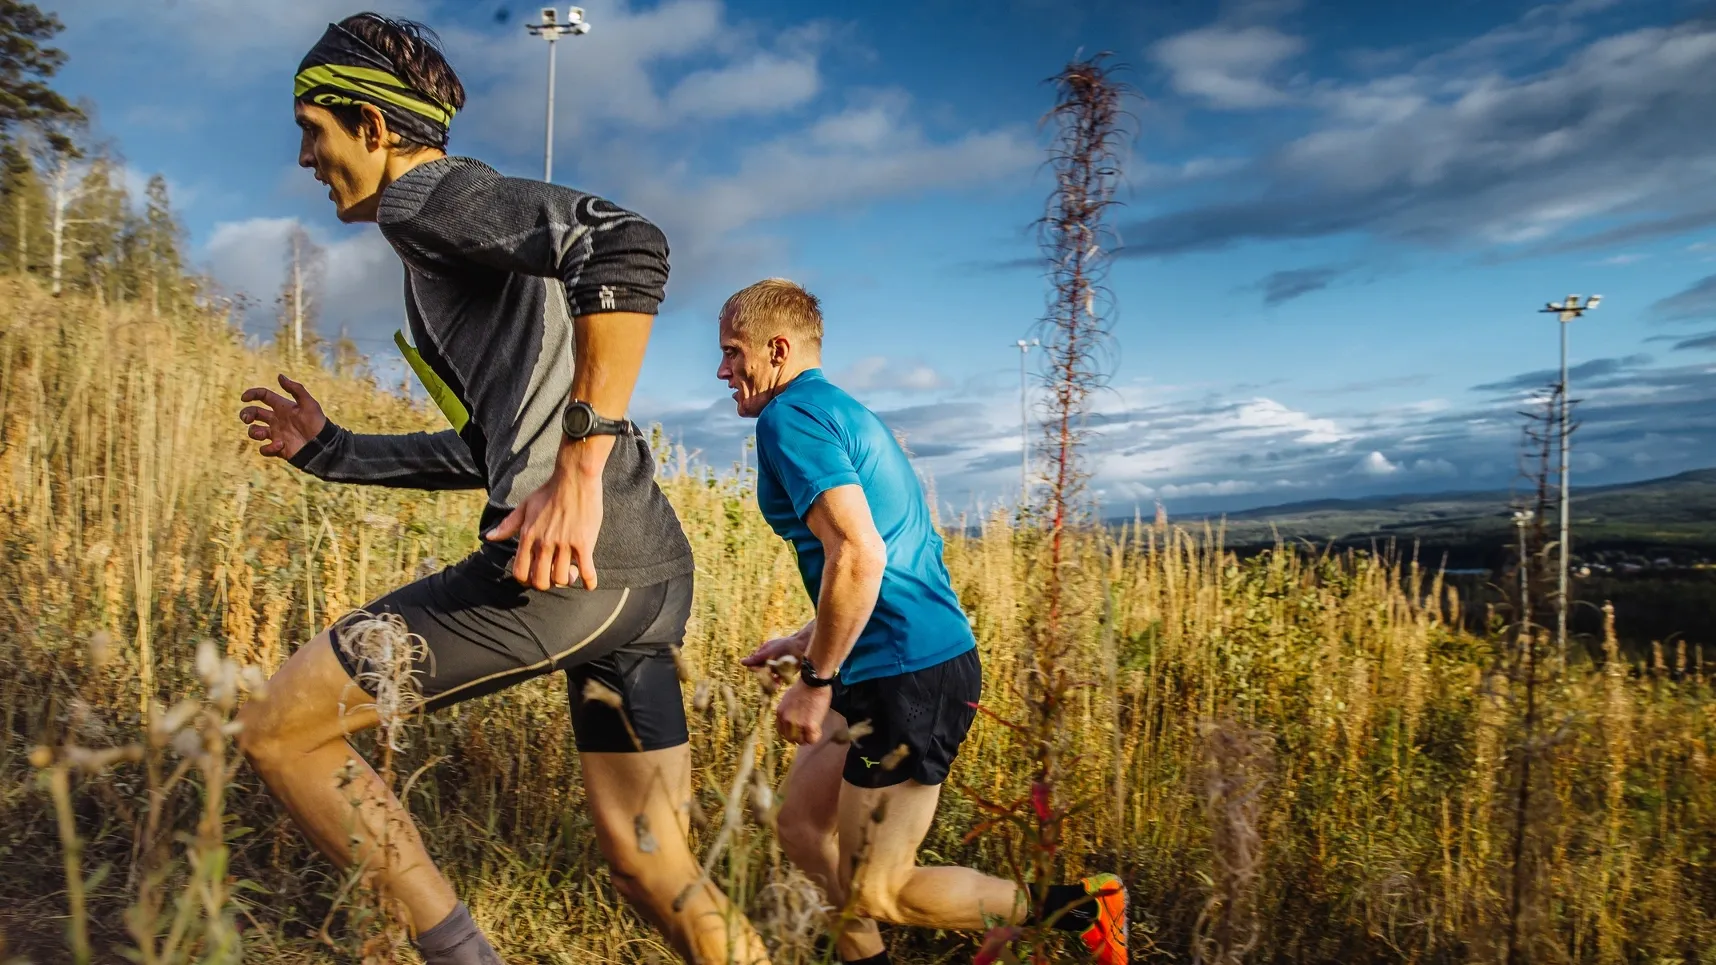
<point x="342" y="70"/>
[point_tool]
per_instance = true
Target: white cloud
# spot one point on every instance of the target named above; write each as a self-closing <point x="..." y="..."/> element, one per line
<point x="1375" y="464"/>
<point x="879" y="373"/>
<point x="1468" y="147"/>
<point x="227" y="37"/>
<point x="764" y="84"/>
<point x="360" y="288"/>
<point x="1228" y="67"/>
<point x="867" y="152"/>
<point x="614" y="76"/>
<point x="624" y="87"/>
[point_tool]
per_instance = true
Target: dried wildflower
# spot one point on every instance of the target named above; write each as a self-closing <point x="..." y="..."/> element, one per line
<point x="603" y="694"/>
<point x="853" y="732"/>
<point x="100" y="648"/>
<point x="895" y="757"/>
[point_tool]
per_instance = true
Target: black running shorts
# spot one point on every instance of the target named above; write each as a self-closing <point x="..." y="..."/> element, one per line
<point x="929" y="711"/>
<point x="486" y="632"/>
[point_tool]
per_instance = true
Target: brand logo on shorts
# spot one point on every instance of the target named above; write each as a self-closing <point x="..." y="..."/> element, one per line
<point x="606" y="295"/>
<point x="868" y="762"/>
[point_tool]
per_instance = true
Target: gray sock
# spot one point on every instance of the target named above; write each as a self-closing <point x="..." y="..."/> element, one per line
<point x="456" y="941"/>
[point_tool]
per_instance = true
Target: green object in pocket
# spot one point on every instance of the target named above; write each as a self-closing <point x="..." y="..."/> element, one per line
<point x="442" y="396"/>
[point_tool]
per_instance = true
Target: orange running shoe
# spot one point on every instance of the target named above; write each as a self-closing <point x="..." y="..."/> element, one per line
<point x="1106" y="936"/>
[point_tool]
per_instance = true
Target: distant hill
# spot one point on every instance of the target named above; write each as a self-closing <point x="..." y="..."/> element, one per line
<point x="1675" y="515"/>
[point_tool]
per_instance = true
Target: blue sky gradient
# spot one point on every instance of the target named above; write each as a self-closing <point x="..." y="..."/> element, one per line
<point x="1338" y="222"/>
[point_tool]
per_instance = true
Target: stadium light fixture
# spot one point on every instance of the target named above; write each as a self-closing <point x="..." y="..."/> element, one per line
<point x="1566" y="311"/>
<point x="551" y="28"/>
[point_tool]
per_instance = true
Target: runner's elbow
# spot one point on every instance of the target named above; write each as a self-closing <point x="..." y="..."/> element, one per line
<point x="864" y="555"/>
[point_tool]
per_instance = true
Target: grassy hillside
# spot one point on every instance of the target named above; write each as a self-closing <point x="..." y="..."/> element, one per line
<point x="1674" y="512"/>
<point x="1288" y="757"/>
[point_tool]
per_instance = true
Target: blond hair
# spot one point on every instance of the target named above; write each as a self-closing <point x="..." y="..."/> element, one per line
<point x="774" y="306"/>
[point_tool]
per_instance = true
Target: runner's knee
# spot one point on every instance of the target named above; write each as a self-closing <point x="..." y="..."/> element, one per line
<point x="877" y="896"/>
<point x="276" y="725"/>
<point x="262" y="738"/>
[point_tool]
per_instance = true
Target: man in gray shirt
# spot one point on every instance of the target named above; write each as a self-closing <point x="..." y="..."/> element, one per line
<point x="583" y="567"/>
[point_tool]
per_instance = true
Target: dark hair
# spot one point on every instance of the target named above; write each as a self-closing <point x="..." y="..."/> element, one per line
<point x="416" y="54"/>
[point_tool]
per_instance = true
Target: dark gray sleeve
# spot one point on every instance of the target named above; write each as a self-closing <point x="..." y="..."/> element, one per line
<point x="412" y="460"/>
<point x="609" y="259"/>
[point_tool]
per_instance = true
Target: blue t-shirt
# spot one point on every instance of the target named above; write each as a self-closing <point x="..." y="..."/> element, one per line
<point x="813" y="437"/>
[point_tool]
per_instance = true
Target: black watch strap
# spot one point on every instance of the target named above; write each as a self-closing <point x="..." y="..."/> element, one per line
<point x="807" y="673"/>
<point x="580" y="421"/>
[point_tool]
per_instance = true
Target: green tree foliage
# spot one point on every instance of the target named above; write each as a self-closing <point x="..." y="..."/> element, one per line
<point x="23" y="226"/>
<point x="101" y="232"/>
<point x="163" y="242"/>
<point x="26" y="65"/>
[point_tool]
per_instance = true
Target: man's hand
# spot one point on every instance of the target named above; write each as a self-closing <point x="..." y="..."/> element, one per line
<point x="801" y="711"/>
<point x="793" y="646"/>
<point x="556" y="527"/>
<point x="286" y="424"/>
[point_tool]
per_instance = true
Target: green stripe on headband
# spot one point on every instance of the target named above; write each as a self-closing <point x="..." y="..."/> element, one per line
<point x="373" y="85"/>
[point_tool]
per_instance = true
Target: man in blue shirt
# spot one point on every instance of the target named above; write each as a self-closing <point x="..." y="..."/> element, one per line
<point x="889" y="646"/>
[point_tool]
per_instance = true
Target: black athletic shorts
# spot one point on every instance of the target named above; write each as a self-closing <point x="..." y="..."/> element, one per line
<point x="929" y="711"/>
<point x="486" y="632"/>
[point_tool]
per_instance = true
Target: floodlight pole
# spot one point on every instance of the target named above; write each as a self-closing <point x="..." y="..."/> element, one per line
<point x="1024" y="427"/>
<point x="551" y="29"/>
<point x="1566" y="311"/>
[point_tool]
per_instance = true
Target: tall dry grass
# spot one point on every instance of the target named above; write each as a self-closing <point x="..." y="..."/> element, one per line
<point x="1289" y="758"/>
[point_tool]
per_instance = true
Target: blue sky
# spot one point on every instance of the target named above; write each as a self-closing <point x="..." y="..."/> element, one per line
<point x="1338" y="222"/>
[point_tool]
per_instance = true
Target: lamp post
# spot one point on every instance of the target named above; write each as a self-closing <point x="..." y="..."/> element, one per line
<point x="1566" y="311"/>
<point x="551" y="29"/>
<point x="1024" y="426"/>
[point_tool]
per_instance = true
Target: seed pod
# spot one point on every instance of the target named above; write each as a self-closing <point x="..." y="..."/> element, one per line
<point x="895" y="756"/>
<point x="188" y="743"/>
<point x="252" y="680"/>
<point x="700" y="697"/>
<point x="601" y="693"/>
<point x="854" y="732"/>
<point x="167" y="723"/>
<point x="786" y="666"/>
<point x="762" y="799"/>
<point x="100" y="648"/>
<point x="208" y="661"/>
<point x="765" y="679"/>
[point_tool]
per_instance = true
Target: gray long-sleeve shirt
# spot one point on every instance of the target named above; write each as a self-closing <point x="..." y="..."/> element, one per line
<point x="496" y="268"/>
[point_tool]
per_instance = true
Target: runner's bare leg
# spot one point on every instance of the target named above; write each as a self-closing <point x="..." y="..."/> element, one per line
<point x="706" y="928"/>
<point x="808" y="826"/>
<point x="295" y="737"/>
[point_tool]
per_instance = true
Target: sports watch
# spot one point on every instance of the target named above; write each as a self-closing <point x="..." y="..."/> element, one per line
<point x="580" y="421"/>
<point x="807" y="673"/>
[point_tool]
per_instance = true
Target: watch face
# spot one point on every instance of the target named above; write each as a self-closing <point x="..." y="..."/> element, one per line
<point x="579" y="420"/>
